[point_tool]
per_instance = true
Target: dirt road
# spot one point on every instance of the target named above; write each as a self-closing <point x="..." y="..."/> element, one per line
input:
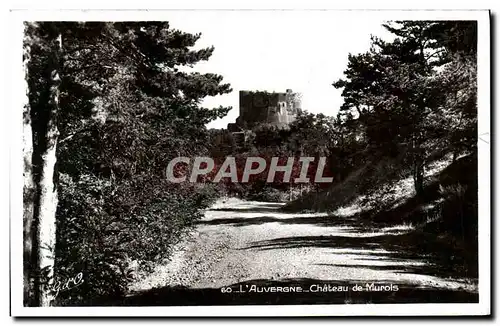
<point x="240" y="245"/>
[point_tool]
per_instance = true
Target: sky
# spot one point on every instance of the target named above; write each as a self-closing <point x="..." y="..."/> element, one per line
<point x="305" y="51"/>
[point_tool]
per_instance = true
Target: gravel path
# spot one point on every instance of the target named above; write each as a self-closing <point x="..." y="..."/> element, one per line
<point x="239" y="241"/>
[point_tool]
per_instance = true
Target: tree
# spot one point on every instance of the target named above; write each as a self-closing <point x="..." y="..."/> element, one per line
<point x="398" y="92"/>
<point x="109" y="103"/>
<point x="46" y="223"/>
<point x="458" y="79"/>
<point x="29" y="184"/>
<point x="40" y="140"/>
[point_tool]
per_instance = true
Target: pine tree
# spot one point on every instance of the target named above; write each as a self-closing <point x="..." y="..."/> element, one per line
<point x="109" y="105"/>
<point x="400" y="97"/>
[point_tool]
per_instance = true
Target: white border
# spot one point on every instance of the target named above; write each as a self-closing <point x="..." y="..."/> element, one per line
<point x="15" y="91"/>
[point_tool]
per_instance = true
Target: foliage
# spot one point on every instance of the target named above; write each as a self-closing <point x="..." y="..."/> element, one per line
<point x="126" y="109"/>
<point x="128" y="105"/>
<point x="407" y="103"/>
<point x="414" y="92"/>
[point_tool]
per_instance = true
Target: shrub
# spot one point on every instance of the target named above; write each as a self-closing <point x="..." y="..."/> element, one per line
<point x="459" y="213"/>
<point x="268" y="194"/>
<point x="107" y="229"/>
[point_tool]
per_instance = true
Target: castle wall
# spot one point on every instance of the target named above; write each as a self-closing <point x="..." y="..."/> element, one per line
<point x="277" y="109"/>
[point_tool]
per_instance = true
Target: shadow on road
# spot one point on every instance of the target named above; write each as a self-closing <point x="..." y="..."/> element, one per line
<point x="407" y="249"/>
<point x="256" y="207"/>
<point x="325" y="221"/>
<point x="442" y="259"/>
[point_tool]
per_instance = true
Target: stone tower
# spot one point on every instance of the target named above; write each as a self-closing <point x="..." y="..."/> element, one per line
<point x="278" y="109"/>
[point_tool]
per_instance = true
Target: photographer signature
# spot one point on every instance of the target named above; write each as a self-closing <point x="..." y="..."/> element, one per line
<point x="67" y="284"/>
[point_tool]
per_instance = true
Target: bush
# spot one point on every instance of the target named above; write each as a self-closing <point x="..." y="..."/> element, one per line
<point x="268" y="194"/>
<point x="459" y="214"/>
<point x="108" y="229"/>
<point x="458" y="187"/>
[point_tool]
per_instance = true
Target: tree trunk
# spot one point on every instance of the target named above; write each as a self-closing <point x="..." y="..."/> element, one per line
<point x="419" y="177"/>
<point x="455" y="155"/>
<point x="418" y="166"/>
<point x="29" y="184"/>
<point x="46" y="226"/>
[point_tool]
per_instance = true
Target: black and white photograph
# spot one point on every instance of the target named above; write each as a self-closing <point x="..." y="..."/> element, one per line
<point x="315" y="162"/>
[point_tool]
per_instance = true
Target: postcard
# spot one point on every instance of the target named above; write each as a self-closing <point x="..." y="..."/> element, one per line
<point x="250" y="163"/>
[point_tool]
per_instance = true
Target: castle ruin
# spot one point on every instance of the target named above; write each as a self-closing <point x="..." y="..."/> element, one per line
<point x="257" y="108"/>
